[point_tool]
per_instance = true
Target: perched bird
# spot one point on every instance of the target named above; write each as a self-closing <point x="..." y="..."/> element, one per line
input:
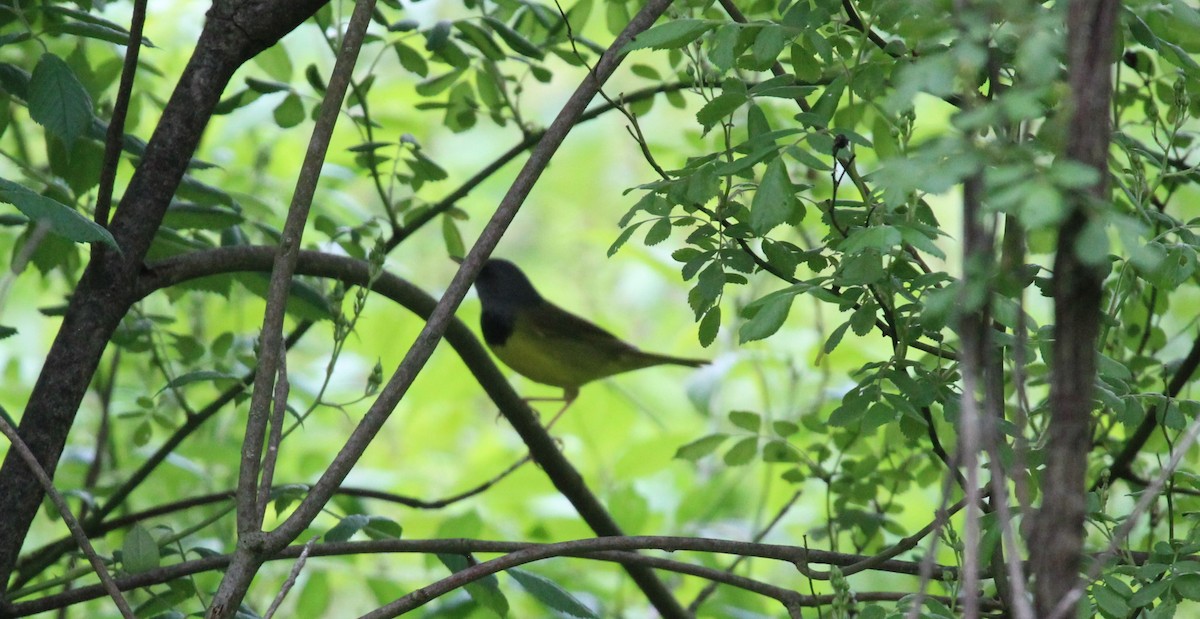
<point x="546" y="343"/>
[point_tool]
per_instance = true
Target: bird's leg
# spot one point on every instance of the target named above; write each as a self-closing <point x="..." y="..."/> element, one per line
<point x="569" y="394"/>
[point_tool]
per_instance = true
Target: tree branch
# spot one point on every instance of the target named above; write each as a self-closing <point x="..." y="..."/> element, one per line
<point x="233" y="33"/>
<point x="1057" y="543"/>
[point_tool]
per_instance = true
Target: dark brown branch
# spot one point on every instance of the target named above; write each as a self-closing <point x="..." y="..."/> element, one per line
<point x="1057" y="540"/>
<point x="115" y="136"/>
<point x="233" y="33"/>
<point x="617" y="549"/>
<point x="542" y="447"/>
<point x="1121" y="467"/>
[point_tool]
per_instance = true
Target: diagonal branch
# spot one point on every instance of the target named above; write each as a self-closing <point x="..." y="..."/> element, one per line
<point x="233" y="33"/>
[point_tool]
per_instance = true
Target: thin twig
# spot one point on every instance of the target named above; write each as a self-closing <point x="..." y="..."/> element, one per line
<point x="248" y="557"/>
<point x="282" y="386"/>
<point x="116" y="126"/>
<point x="64" y="510"/>
<point x="291" y="579"/>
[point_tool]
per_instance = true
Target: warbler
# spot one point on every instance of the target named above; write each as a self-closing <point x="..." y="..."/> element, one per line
<point x="548" y="344"/>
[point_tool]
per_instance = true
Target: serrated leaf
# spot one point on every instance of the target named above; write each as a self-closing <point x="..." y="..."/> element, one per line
<point x="883" y="238"/>
<point x="671" y="34"/>
<point x="719" y="107"/>
<point x="835" y="338"/>
<point x="623" y="238"/>
<point x="347" y="527"/>
<point x="139" y="551"/>
<point x="658" y="232"/>
<point x="701" y="447"/>
<point x="767" y="319"/>
<point x="710" y="325"/>
<point x="549" y="593"/>
<point x="57" y="99"/>
<point x="64" y="220"/>
<point x="772" y="204"/>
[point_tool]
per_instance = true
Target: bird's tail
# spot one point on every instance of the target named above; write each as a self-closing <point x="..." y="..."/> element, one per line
<point x="654" y="359"/>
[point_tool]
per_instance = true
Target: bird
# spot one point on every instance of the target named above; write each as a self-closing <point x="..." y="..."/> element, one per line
<point x="548" y="344"/>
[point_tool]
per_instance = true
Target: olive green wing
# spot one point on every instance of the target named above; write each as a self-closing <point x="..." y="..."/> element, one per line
<point x="553" y="323"/>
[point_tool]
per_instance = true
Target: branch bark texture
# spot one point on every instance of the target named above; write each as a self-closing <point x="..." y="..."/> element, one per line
<point x="1057" y="545"/>
<point x="235" y="32"/>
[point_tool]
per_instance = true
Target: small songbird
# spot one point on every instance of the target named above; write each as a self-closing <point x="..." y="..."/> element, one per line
<point x="546" y="343"/>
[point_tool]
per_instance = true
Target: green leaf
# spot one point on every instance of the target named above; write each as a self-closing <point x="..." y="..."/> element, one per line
<point x="767" y="318"/>
<point x="623" y="238"/>
<point x="437" y="36"/>
<point x="772" y="204"/>
<point x="438" y="83"/>
<point x="452" y="237"/>
<point x="723" y="50"/>
<point x="1188" y="586"/>
<point x="1091" y="246"/>
<point x="347" y="527"/>
<point x="380" y="527"/>
<point x="514" y="40"/>
<point x="742" y="451"/>
<point x="290" y="112"/>
<point x="701" y="447"/>
<point x="835" y="338"/>
<point x="64" y="220"/>
<point x="6" y="332"/>
<point x="549" y="593"/>
<point x="671" y="34"/>
<point x="139" y="551"/>
<point x="304" y="301"/>
<point x="883" y="238"/>
<point x="784" y="428"/>
<point x="777" y="450"/>
<point x="411" y="59"/>
<point x="767" y="46"/>
<point x="746" y="420"/>
<point x="658" y="232"/>
<point x="863" y="318"/>
<point x="57" y="99"/>
<point x="182" y="216"/>
<point x="266" y="87"/>
<point x="485" y="591"/>
<point x="1110" y="601"/>
<point x="709" y="326"/>
<point x="479" y="39"/>
<point x="222" y="379"/>
<point x="721" y="106"/>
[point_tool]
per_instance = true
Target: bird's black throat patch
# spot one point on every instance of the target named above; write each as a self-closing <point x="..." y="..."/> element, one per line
<point x="497" y="327"/>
